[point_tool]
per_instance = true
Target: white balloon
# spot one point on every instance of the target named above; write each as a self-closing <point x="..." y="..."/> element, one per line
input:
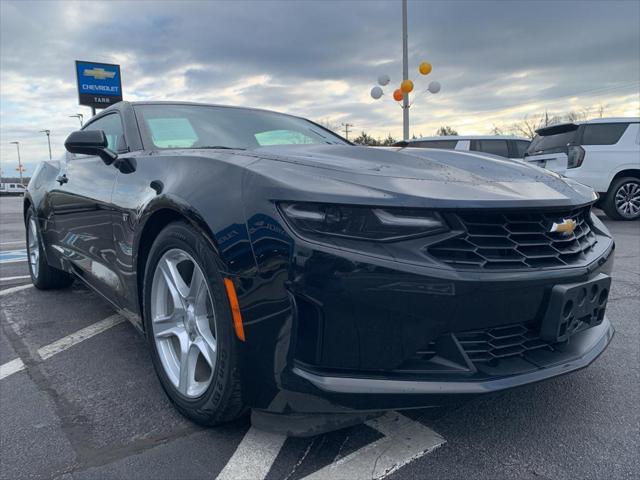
<point x="376" y="93"/>
<point x="434" y="87"/>
<point x="384" y="80"/>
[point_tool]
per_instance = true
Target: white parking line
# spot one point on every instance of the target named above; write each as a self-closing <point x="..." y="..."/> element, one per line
<point x="63" y="344"/>
<point x="11" y="367"/>
<point x="8" y="291"/>
<point x="15" y="242"/>
<point x="254" y="456"/>
<point x="404" y="441"/>
<point x="58" y="346"/>
<point x="13" y="279"/>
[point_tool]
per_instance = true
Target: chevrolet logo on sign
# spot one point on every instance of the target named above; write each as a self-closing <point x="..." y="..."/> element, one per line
<point x="99" y="84"/>
<point x="98" y="73"/>
<point x="566" y="227"/>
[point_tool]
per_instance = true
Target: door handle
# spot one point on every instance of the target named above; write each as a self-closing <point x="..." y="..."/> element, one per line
<point x="62" y="179"/>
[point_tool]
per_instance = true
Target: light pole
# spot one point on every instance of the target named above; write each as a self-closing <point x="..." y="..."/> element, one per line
<point x="17" y="144"/>
<point x="406" y="85"/>
<point x="405" y="72"/>
<point x="79" y="116"/>
<point x="48" y="134"/>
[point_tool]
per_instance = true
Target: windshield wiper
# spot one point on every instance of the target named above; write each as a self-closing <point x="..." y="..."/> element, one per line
<point x="218" y="147"/>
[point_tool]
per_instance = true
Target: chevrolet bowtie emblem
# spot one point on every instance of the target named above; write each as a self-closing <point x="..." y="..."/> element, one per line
<point x="98" y="73"/>
<point x="566" y="227"/>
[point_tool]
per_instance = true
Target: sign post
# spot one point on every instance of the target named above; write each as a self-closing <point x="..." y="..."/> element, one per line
<point x="99" y="84"/>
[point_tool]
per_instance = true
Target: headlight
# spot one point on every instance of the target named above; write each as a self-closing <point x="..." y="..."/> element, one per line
<point x="367" y="223"/>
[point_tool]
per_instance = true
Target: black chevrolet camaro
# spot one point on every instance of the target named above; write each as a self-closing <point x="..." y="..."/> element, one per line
<point x="274" y="266"/>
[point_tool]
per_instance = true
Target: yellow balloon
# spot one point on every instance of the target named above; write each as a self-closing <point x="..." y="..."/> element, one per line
<point x="406" y="86"/>
<point x="425" y="68"/>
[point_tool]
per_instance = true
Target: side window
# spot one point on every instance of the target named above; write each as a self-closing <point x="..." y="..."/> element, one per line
<point x="111" y="125"/>
<point x="495" y="147"/>
<point x="446" y="144"/>
<point x="521" y="147"/>
<point x="603" y="133"/>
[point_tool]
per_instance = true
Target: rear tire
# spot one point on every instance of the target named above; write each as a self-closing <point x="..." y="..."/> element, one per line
<point x="43" y="276"/>
<point x="197" y="335"/>
<point x="623" y="199"/>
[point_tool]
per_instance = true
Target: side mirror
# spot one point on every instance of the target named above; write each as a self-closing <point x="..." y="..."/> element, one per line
<point x="90" y="142"/>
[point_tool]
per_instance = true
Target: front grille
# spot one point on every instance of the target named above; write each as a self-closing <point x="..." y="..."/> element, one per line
<point x="515" y="240"/>
<point x="500" y="342"/>
<point x="490" y="345"/>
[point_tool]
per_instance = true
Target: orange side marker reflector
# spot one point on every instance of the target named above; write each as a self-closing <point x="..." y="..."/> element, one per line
<point x="235" y="308"/>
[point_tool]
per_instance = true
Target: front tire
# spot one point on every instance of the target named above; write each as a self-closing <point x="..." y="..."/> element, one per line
<point x="188" y="325"/>
<point x="43" y="276"/>
<point x="623" y="199"/>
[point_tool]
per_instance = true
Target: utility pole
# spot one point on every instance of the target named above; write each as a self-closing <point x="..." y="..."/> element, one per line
<point x="347" y="126"/>
<point x="48" y="134"/>
<point x="405" y="72"/>
<point x="19" y="162"/>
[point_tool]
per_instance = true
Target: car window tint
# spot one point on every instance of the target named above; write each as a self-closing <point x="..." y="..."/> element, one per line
<point x="521" y="147"/>
<point x="111" y="125"/>
<point x="446" y="144"/>
<point x="603" y="133"/>
<point x="281" y="137"/>
<point x="172" y="132"/>
<point x="495" y="147"/>
<point x="551" y="143"/>
<point x="202" y="126"/>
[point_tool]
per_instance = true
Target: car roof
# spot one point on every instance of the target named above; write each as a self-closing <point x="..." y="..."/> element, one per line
<point x="468" y="137"/>
<point x="611" y="120"/>
<point x="557" y="128"/>
<point x="199" y="104"/>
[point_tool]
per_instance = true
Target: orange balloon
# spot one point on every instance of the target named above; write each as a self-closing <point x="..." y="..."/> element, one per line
<point x="406" y="86"/>
<point x="425" y="68"/>
<point x="398" y="95"/>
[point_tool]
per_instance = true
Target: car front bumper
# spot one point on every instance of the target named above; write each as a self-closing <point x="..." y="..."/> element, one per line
<point x="331" y="331"/>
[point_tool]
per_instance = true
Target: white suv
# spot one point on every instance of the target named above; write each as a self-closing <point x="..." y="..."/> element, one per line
<point x="602" y="153"/>
<point x="509" y="147"/>
<point x="12" y="189"/>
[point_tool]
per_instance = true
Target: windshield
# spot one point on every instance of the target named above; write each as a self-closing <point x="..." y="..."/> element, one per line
<point x="201" y="126"/>
<point x="552" y="143"/>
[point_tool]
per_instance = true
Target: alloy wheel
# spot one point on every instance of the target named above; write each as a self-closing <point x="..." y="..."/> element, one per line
<point x="183" y="321"/>
<point x="33" y="245"/>
<point x="627" y="199"/>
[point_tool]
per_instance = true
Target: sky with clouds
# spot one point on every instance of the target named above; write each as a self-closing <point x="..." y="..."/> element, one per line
<point x="497" y="61"/>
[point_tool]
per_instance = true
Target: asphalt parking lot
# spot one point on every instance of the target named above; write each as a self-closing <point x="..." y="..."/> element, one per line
<point x="79" y="399"/>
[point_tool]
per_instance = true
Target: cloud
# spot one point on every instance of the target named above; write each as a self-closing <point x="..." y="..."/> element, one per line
<point x="496" y="61"/>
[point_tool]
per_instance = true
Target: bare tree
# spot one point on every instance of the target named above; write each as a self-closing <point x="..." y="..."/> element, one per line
<point x="601" y="110"/>
<point x="528" y="125"/>
<point x="496" y="130"/>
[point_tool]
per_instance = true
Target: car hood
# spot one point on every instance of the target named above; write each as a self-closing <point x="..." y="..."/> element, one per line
<point x="446" y="177"/>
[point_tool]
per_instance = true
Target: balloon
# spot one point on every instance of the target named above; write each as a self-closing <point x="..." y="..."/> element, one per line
<point x="398" y="95"/>
<point x="406" y="86"/>
<point x="425" y="68"/>
<point x="383" y="80"/>
<point x="376" y="93"/>
<point x="434" y="87"/>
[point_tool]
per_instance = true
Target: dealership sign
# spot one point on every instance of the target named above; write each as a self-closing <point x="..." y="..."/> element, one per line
<point x="99" y="84"/>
